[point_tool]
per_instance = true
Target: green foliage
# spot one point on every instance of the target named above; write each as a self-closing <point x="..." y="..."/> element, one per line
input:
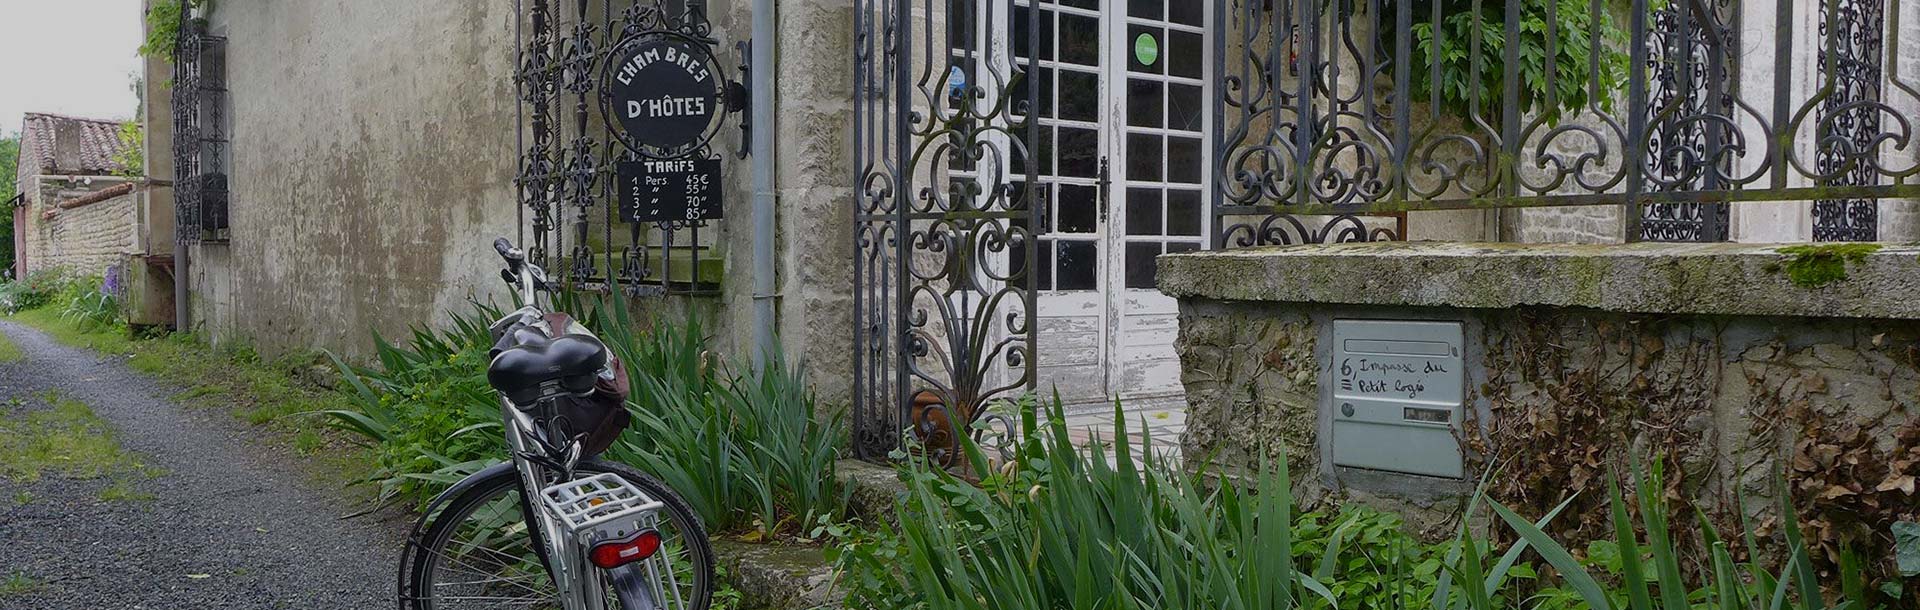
<point x="1063" y="528"/>
<point x="66" y="439"/>
<point x="36" y="290"/>
<point x="1071" y="528"/>
<point x="163" y="29"/>
<point x="1467" y="89"/>
<point x="88" y="306"/>
<point x="131" y="158"/>
<point x="1906" y="545"/>
<point x="9" y="164"/>
<point x="1816" y="265"/>
<point x="9" y="352"/>
<point x="747" y="450"/>
<point x="18" y="583"/>
<point x="426" y="412"/>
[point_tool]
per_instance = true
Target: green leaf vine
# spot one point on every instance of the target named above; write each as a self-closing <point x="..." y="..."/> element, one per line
<point x="163" y="28"/>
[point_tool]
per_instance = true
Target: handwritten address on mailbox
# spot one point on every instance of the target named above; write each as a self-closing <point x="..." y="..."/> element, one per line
<point x="1394" y="376"/>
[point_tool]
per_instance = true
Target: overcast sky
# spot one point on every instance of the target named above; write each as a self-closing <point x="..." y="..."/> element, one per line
<point x="73" y="57"/>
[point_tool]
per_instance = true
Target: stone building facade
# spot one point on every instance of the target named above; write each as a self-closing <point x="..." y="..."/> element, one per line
<point x="369" y="168"/>
<point x="370" y="155"/>
<point x="77" y="211"/>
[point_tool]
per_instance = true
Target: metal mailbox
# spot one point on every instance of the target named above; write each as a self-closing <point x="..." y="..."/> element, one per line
<point x="1395" y="396"/>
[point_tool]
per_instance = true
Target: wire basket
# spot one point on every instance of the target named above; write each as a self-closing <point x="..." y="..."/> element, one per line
<point x="601" y="507"/>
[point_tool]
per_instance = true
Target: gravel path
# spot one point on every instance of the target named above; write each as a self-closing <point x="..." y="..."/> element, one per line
<point x="232" y="524"/>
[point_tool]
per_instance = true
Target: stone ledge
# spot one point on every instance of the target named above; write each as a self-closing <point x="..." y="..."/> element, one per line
<point x="1728" y="279"/>
<point x="778" y="577"/>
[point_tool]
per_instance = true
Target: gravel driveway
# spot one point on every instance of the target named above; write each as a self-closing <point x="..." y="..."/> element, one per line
<point x="231" y="523"/>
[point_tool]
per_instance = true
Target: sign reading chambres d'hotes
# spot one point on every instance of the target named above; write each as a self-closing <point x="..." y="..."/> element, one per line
<point x="663" y="95"/>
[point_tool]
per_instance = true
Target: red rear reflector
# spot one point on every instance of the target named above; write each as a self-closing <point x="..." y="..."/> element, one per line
<point x="638" y="547"/>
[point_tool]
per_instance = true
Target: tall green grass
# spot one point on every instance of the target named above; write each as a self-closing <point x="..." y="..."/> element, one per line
<point x="425" y="410"/>
<point x="748" y="449"/>
<point x="1063" y="527"/>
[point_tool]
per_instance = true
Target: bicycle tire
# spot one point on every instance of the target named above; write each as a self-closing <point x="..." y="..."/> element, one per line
<point x="427" y="550"/>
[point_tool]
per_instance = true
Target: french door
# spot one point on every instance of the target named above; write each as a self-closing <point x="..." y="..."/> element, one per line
<point x="1122" y="160"/>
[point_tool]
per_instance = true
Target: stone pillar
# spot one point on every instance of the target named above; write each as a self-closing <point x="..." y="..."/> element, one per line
<point x="814" y="179"/>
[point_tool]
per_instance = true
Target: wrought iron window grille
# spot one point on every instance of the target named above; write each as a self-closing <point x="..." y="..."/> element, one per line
<point x="199" y="134"/>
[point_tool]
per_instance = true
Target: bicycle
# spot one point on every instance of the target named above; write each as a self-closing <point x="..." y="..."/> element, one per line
<point x="594" y="533"/>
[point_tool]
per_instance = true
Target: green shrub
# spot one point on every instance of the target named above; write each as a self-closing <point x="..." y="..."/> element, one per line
<point x="426" y="410"/>
<point x="745" y="449"/>
<point x="88" y="305"/>
<point x="1097" y="528"/>
<point x="1064" y="528"/>
<point x="34" y="291"/>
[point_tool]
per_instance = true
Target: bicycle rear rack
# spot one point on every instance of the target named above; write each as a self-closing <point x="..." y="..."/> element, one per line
<point x="601" y="507"/>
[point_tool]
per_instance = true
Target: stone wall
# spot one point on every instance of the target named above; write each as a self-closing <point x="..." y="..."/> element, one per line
<point x="1707" y="357"/>
<point x="84" y="238"/>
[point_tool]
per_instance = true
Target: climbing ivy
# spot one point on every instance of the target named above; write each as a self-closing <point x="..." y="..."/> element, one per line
<point x="131" y="158"/>
<point x="163" y="28"/>
<point x="9" y="158"/>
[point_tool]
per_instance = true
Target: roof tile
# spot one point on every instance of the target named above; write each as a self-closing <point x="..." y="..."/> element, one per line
<point x="99" y="143"/>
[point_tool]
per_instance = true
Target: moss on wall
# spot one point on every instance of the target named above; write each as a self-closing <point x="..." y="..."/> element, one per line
<point x="1816" y="265"/>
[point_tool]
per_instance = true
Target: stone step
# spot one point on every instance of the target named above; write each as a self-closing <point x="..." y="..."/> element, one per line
<point x="778" y="576"/>
<point x="798" y="577"/>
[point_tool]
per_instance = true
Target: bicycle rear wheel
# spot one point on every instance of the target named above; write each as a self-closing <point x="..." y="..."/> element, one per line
<point x="480" y="552"/>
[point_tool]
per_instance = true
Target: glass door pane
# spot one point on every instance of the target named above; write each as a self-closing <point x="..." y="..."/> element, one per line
<point x="1163" y="153"/>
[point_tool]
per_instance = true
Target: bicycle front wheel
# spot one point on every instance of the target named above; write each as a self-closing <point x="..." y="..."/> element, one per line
<point x="481" y="552"/>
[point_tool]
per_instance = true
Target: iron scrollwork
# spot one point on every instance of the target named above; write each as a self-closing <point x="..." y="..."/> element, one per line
<point x="1690" y="54"/>
<point x="1317" y="116"/>
<point x="944" y="223"/>
<point x="569" y="154"/>
<point x="199" y="137"/>
<point x="1849" y="116"/>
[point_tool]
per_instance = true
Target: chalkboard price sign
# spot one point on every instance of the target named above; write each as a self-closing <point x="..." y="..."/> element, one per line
<point x="678" y="190"/>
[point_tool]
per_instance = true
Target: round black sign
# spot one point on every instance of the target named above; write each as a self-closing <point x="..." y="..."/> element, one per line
<point x="662" y="95"/>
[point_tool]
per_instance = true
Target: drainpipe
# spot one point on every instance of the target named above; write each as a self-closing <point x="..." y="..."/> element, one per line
<point x="761" y="146"/>
<point x="180" y="292"/>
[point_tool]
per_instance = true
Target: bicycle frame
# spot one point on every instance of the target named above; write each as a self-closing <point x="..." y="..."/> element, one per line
<point x="580" y="584"/>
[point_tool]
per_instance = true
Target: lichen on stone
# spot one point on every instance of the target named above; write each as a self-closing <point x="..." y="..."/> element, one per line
<point x="1813" y="266"/>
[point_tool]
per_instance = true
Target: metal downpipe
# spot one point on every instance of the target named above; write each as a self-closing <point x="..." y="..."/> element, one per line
<point x="761" y="105"/>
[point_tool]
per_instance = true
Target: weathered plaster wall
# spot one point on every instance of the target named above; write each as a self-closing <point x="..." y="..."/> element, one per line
<point x="372" y="158"/>
<point x="370" y="167"/>
<point x="813" y="175"/>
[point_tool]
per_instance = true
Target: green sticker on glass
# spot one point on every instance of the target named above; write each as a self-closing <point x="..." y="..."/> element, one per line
<point x="1146" y="49"/>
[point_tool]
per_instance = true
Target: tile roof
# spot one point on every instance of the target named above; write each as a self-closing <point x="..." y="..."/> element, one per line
<point x="99" y="143"/>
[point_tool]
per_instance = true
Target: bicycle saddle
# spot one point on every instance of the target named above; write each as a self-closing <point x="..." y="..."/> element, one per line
<point x="539" y="369"/>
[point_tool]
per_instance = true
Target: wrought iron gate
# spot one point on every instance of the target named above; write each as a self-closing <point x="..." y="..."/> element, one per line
<point x="1690" y="53"/>
<point x="946" y="216"/>
<point x="569" y="155"/>
<point x="1329" y="121"/>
